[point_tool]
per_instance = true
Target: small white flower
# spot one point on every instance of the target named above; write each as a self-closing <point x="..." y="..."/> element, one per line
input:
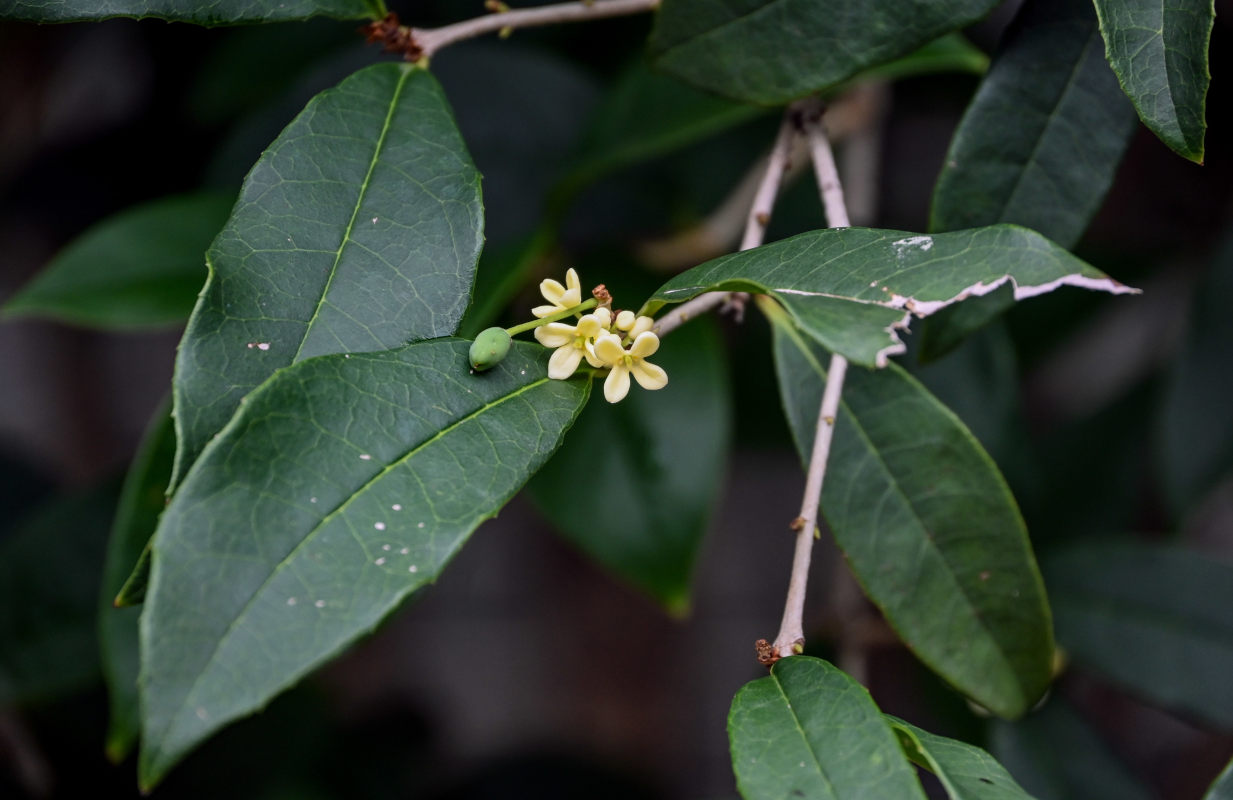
<point x="560" y="297"/>
<point x="626" y="362"/>
<point x="572" y="343"/>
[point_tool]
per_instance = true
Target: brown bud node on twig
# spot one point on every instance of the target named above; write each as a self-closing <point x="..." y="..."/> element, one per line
<point x="393" y="38"/>
<point x="602" y="294"/>
<point x="766" y="653"/>
<point x="797" y="524"/>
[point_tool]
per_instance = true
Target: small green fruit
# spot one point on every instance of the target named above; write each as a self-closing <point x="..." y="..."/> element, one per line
<point x="489" y="348"/>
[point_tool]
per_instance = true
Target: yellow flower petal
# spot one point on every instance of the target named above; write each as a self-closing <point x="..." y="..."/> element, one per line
<point x="625" y="320"/>
<point x="646" y="344"/>
<point x="563" y="362"/>
<point x="616" y="385"/>
<point x="589" y="326"/>
<point x="543" y="311"/>
<point x="608" y="349"/>
<point x="571" y="280"/>
<point x="649" y="376"/>
<point x="604" y="315"/>
<point x="555" y="334"/>
<point x="641" y="326"/>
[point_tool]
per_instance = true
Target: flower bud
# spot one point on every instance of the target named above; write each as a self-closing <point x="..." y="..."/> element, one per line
<point x="489" y="348"/>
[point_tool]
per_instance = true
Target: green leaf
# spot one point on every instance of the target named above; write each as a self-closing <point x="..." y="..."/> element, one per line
<point x="966" y="772"/>
<point x="1041" y="140"/>
<point x="1196" y="430"/>
<point x="344" y="483"/>
<point x="1038" y="146"/>
<point x="659" y="457"/>
<point x="1055" y="755"/>
<point x="853" y="288"/>
<point x="809" y="731"/>
<point x="201" y="12"/>
<point x="141" y="502"/>
<point x="1222" y="788"/>
<point x="774" y="51"/>
<point x="49" y="583"/>
<point x="358" y="230"/>
<point x="949" y="53"/>
<point x="140" y="268"/>
<point x="1159" y="52"/>
<point x="1151" y="618"/>
<point x="645" y="115"/>
<point x="927" y="525"/>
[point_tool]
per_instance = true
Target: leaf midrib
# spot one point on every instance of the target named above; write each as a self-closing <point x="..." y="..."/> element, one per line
<point x="801" y="730"/>
<point x="188" y="696"/>
<point x="355" y="212"/>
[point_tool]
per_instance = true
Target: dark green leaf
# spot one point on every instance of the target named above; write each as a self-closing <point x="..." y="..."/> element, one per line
<point x="358" y="230"/>
<point x="141" y="502"/>
<point x="809" y="731"/>
<point x="1222" y="789"/>
<point x="1038" y="146"/>
<point x="966" y="772"/>
<point x="1159" y="52"/>
<point x="142" y="267"/>
<point x="659" y="457"/>
<point x="1056" y="756"/>
<point x="949" y="53"/>
<point x="1151" y="618"/>
<point x="852" y="288"/>
<point x="49" y="583"/>
<point x="648" y="114"/>
<point x="343" y="484"/>
<point x="201" y="12"/>
<point x="1040" y="142"/>
<point x="773" y="51"/>
<point x="928" y="526"/>
<point x="1196" y="426"/>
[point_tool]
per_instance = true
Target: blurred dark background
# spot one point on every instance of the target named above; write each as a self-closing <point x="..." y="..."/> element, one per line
<point x="527" y="671"/>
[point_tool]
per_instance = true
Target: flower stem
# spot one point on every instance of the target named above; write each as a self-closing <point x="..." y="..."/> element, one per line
<point x="560" y="315"/>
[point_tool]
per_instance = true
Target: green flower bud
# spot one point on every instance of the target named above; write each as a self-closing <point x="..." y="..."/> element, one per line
<point x="489" y="348"/>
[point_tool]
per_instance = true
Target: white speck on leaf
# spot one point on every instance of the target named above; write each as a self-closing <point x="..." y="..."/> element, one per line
<point x="413" y="568"/>
<point x="365" y="457"/>
<point x="320" y="604"/>
<point x="420" y="525"/>
<point x="379" y="561"/>
<point x="397" y="507"/>
<point x="385" y="547"/>
<point x="379" y="525"/>
<point x="202" y="713"/>
<point x="404" y="551"/>
<point x="922" y="243"/>
<point x="374" y="220"/>
<point x="290" y="601"/>
<point x="312" y="499"/>
<point x="263" y="345"/>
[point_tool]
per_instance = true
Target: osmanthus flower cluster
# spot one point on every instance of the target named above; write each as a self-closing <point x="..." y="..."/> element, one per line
<point x="619" y="343"/>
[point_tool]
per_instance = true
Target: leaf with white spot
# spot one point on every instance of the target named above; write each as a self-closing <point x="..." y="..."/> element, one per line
<point x="357" y="230"/>
<point x="343" y="484"/>
<point x="853" y="289"/>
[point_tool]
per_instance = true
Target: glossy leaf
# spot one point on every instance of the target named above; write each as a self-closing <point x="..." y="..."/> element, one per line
<point x="1222" y="788"/>
<point x="1196" y="431"/>
<point x="658" y="457"/>
<point x="1159" y="52"/>
<point x="809" y="731"/>
<point x="852" y="289"/>
<point x="1055" y="755"/>
<point x="358" y="230"/>
<point x="1038" y="146"/>
<point x="927" y="525"/>
<point x="1041" y="140"/>
<point x="965" y="771"/>
<point x="49" y="584"/>
<point x="1151" y="618"/>
<point x="774" y="51"/>
<point x="949" y="53"/>
<point x="201" y="12"/>
<point x="345" y="483"/>
<point x="141" y="502"/>
<point x="142" y="267"/>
